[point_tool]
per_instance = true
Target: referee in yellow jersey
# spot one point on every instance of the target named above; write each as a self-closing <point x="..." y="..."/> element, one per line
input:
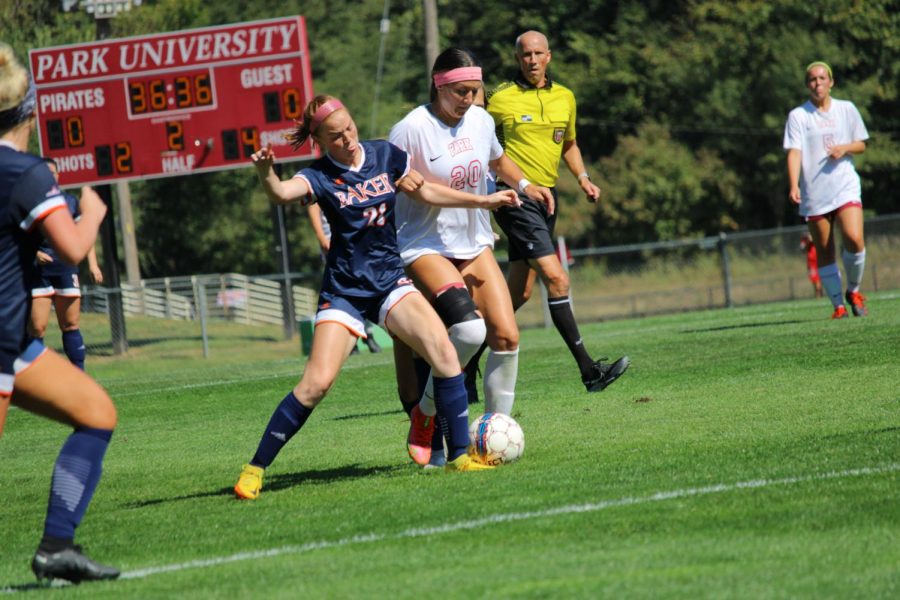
<point x="535" y="119"/>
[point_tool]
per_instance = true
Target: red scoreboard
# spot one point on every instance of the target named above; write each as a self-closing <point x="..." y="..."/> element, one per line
<point x="173" y="103"/>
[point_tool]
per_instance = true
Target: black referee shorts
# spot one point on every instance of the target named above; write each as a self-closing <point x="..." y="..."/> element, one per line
<point x="528" y="228"/>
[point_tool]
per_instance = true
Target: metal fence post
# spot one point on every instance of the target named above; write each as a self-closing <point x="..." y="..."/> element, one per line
<point x="201" y="301"/>
<point x="726" y="269"/>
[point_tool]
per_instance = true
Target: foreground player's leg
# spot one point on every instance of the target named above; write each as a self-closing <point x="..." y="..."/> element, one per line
<point x="415" y="322"/>
<point x="500" y="374"/>
<point x="332" y="343"/>
<point x="52" y="387"/>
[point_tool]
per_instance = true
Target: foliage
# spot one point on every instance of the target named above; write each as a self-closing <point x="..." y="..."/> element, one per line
<point x="693" y="90"/>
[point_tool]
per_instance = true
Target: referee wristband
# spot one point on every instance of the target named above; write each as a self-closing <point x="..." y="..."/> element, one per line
<point x="523" y="183"/>
<point x="583" y="175"/>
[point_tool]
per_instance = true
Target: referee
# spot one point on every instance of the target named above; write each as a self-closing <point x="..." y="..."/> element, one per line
<point x="535" y="119"/>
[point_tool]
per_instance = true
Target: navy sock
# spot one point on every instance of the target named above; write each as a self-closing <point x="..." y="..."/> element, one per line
<point x="453" y="405"/>
<point x="73" y="345"/>
<point x="75" y="476"/>
<point x="564" y="320"/>
<point x="287" y="420"/>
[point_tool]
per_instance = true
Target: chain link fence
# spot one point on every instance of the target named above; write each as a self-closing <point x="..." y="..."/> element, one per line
<point x="607" y="283"/>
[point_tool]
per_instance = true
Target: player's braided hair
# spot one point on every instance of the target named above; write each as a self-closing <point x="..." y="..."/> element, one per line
<point x="302" y="131"/>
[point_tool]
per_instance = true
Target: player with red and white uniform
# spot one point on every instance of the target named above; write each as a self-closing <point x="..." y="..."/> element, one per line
<point x="820" y="138"/>
<point x="449" y="251"/>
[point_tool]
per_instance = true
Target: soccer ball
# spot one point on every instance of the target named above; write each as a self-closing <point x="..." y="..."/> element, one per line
<point x="496" y="439"/>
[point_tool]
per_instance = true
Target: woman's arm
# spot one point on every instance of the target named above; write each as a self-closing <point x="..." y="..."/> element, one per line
<point x="793" y="166"/>
<point x="278" y="191"/>
<point x="840" y="150"/>
<point x="436" y="194"/>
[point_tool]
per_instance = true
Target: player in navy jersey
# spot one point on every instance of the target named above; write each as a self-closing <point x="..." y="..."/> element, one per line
<point x="355" y="184"/>
<point x="32" y="377"/>
<point x="58" y="285"/>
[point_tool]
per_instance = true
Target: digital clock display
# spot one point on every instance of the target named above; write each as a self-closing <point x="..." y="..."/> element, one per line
<point x="173" y="103"/>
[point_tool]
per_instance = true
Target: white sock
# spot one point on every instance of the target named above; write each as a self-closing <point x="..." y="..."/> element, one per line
<point x="831" y="281"/>
<point x="854" y="265"/>
<point x="466" y="338"/>
<point x="500" y="374"/>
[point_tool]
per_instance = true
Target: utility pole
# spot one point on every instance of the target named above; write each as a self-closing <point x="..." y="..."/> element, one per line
<point x="118" y="335"/>
<point x="431" y="34"/>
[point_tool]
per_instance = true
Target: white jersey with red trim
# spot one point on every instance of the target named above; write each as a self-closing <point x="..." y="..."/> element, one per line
<point x="458" y="157"/>
<point x="825" y="184"/>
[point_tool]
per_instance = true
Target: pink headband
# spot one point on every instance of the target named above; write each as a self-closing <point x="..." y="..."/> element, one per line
<point x="323" y="112"/>
<point x="454" y="75"/>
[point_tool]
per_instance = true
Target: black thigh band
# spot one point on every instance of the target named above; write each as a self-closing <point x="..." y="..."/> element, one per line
<point x="455" y="306"/>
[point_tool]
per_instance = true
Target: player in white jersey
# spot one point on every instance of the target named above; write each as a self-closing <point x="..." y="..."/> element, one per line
<point x="820" y="138"/>
<point x="449" y="252"/>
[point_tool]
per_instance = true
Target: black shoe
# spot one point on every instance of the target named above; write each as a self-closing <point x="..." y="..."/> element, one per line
<point x="70" y="564"/>
<point x="472" y="372"/>
<point x="602" y="374"/>
<point x="374" y="348"/>
<point x="355" y="350"/>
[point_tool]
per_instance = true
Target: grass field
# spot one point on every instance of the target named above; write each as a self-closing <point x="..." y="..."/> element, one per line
<point x="751" y="452"/>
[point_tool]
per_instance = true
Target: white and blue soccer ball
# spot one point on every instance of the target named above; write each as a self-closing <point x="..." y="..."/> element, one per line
<point x="496" y="439"/>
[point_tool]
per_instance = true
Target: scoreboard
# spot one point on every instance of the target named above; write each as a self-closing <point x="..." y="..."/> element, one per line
<point x="175" y="103"/>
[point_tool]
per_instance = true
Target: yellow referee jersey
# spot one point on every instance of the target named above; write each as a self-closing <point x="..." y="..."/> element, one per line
<point x="532" y="124"/>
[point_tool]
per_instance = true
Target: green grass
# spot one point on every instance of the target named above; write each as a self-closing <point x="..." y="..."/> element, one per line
<point x="775" y="394"/>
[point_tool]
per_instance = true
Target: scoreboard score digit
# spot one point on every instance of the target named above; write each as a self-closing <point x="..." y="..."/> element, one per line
<point x="181" y="102"/>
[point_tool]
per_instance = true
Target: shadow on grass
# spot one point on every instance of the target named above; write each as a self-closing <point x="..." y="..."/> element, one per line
<point x="281" y="481"/>
<point x="383" y="413"/>
<point x="745" y="326"/>
<point x="106" y="348"/>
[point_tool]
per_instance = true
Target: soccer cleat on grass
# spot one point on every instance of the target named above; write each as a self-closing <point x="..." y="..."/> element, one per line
<point x="71" y="565"/>
<point x="418" y="442"/>
<point x="438" y="460"/>
<point x="464" y="462"/>
<point x="857" y="303"/>
<point x="840" y="313"/>
<point x="603" y="374"/>
<point x="249" y="483"/>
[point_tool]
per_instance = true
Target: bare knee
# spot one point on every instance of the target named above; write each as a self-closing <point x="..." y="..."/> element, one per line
<point x="100" y="413"/>
<point x="443" y="358"/>
<point x="557" y="284"/>
<point x="312" y="388"/>
<point x="503" y="339"/>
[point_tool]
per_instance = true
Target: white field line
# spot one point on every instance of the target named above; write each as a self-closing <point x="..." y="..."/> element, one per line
<point x="505" y="518"/>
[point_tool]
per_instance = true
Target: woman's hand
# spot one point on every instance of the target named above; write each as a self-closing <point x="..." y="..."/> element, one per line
<point x="502" y="198"/>
<point x="263" y="159"/>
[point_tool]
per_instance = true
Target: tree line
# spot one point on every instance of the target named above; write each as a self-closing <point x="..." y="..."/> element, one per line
<point x="681" y="107"/>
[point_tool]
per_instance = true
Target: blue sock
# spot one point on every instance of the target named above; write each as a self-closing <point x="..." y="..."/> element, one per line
<point x="75" y="476"/>
<point x="452" y="404"/>
<point x="287" y="420"/>
<point x="73" y="345"/>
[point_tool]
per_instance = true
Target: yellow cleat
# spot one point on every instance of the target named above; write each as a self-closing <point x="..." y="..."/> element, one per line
<point x="464" y="462"/>
<point x="249" y="483"/>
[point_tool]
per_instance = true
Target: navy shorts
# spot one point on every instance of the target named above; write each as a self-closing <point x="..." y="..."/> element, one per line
<point x="528" y="228"/>
<point x="53" y="280"/>
<point x="353" y="311"/>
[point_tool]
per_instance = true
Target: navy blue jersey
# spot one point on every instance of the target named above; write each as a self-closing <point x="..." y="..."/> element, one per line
<point x="363" y="260"/>
<point x="28" y="193"/>
<point x="58" y="266"/>
<point x="75" y="211"/>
